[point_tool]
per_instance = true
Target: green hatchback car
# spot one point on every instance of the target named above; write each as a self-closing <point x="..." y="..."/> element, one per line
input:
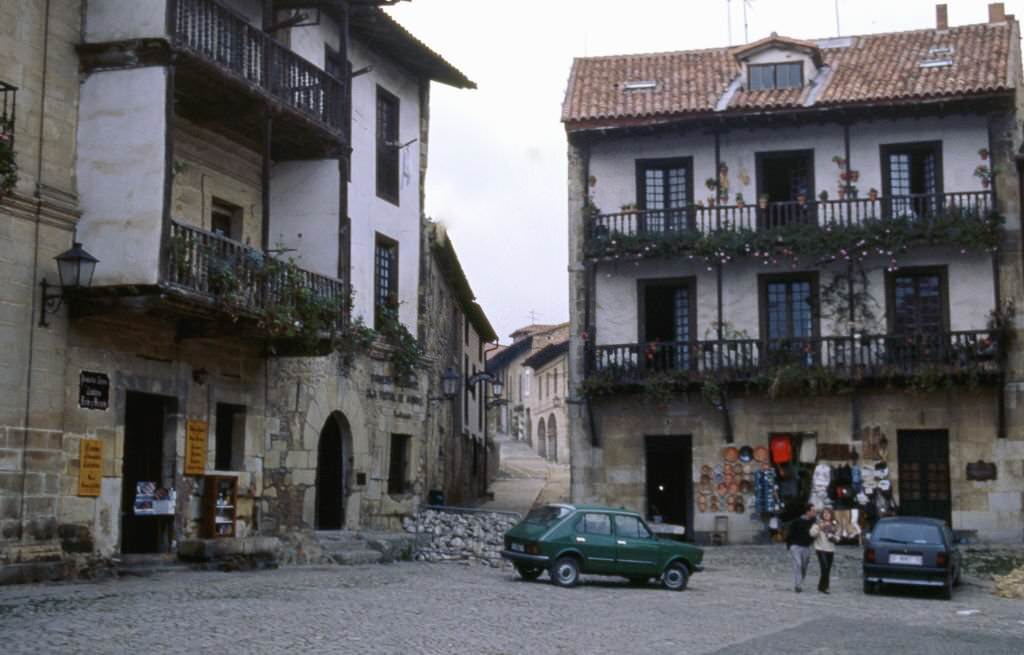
<point x="567" y="540"/>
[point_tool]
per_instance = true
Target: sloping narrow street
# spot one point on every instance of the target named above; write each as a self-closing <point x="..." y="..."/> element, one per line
<point x="526" y="479"/>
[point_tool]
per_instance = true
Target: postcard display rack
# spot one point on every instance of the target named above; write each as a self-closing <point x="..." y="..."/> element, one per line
<point x="219" y="502"/>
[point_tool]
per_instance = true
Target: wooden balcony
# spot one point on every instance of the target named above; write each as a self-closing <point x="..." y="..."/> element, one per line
<point x="226" y="61"/>
<point x="234" y="279"/>
<point x="626" y="230"/>
<point x="855" y="359"/>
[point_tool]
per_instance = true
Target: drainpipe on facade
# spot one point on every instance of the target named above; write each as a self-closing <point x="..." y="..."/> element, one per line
<point x="35" y="268"/>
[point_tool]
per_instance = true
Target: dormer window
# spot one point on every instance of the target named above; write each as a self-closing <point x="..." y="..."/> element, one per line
<point x="788" y="75"/>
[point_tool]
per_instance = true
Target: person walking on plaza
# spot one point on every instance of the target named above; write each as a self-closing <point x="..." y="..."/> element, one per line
<point x="798" y="542"/>
<point x="825" y="532"/>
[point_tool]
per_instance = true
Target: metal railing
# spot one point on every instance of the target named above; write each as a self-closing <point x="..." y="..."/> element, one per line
<point x="215" y="266"/>
<point x="8" y="97"/>
<point x="218" y="35"/>
<point x="854" y="211"/>
<point x="858" y="356"/>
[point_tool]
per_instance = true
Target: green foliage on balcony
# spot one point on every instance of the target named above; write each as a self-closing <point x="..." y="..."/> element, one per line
<point x="888" y="238"/>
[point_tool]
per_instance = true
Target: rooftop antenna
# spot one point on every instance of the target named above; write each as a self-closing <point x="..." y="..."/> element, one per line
<point x="838" y="31"/>
<point x="533" y="317"/>
<point x="746" y="32"/>
<point x="728" y="18"/>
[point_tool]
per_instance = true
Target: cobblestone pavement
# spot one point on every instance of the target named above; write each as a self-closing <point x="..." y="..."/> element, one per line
<point x="743" y="603"/>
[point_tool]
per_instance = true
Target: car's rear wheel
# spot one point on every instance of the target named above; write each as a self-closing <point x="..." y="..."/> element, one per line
<point x="947" y="590"/>
<point x="676" y="577"/>
<point x="528" y="572"/>
<point x="565" y="572"/>
<point x="958" y="578"/>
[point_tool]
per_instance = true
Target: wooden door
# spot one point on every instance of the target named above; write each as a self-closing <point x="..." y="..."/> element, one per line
<point x="924" y="482"/>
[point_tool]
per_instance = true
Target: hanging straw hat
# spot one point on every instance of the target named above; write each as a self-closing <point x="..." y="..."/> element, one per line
<point x="761" y="454"/>
<point x="731" y="454"/>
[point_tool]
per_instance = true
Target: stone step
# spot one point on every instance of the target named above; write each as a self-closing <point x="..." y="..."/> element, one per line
<point x="142" y="565"/>
<point x="354" y="557"/>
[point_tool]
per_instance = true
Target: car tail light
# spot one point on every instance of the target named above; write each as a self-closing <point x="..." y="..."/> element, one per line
<point x="940" y="559"/>
<point x="869" y="555"/>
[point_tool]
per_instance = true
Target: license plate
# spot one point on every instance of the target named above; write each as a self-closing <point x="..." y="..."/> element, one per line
<point x="519" y="548"/>
<point x="913" y="560"/>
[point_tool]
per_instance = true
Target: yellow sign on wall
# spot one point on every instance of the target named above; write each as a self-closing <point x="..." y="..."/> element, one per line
<point x="90" y="467"/>
<point x="195" y="447"/>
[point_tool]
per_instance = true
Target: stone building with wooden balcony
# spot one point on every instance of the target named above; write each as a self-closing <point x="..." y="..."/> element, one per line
<point x="809" y="242"/>
<point x="250" y="176"/>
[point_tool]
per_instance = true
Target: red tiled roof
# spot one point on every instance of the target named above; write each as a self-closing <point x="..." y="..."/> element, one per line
<point x="871" y="68"/>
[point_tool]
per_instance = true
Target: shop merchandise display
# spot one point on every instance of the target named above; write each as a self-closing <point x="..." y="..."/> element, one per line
<point x="788" y="473"/>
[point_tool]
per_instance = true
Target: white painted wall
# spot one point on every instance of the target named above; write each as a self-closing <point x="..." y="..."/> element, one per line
<point x="121" y="172"/>
<point x="309" y="41"/>
<point x="369" y="213"/>
<point x="969" y="276"/>
<point x="305" y="211"/>
<point x="613" y="160"/>
<point x="117" y="20"/>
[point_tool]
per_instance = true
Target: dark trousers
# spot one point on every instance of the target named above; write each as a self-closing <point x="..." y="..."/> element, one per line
<point x="825" y="564"/>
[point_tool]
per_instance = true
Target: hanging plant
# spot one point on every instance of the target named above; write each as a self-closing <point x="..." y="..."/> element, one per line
<point x="984" y="173"/>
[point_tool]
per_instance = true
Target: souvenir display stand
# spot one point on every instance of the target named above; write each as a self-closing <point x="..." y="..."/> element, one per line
<point x="774" y="482"/>
<point x="219" y="506"/>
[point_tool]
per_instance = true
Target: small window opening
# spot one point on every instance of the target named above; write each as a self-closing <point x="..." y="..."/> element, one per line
<point x="398" y="468"/>
<point x="230" y="437"/>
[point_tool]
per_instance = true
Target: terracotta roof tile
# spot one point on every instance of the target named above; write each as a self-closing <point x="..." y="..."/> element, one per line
<point x="871" y="68"/>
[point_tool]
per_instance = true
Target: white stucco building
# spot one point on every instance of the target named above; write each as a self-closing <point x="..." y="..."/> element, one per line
<point x="753" y="227"/>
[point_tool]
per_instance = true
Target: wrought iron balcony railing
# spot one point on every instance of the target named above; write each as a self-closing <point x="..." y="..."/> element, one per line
<point x="244" y="279"/>
<point x="661" y="223"/>
<point x="218" y="35"/>
<point x="859" y="357"/>
<point x="8" y="95"/>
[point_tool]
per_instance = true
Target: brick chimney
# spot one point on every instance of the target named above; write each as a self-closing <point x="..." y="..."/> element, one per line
<point x="996" y="12"/>
<point x="941" y="17"/>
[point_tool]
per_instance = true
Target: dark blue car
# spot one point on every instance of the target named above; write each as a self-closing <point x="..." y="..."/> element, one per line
<point x="911" y="551"/>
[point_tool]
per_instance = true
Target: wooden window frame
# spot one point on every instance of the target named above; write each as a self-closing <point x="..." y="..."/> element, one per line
<point x="385" y="241"/>
<point x="890" y="292"/>
<point x="886" y="149"/>
<point x="644" y="165"/>
<point x="774" y="66"/>
<point x="690" y="282"/>
<point x="764" y="279"/>
<point x="383" y="192"/>
<point x="762" y="155"/>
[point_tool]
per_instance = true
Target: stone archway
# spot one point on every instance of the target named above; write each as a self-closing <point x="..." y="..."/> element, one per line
<point x="552" y="439"/>
<point x="333" y="470"/>
<point x="542" y="440"/>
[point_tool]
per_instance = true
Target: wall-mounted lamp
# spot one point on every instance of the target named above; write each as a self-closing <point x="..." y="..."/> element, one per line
<point x="449" y="384"/>
<point x="75" y="268"/>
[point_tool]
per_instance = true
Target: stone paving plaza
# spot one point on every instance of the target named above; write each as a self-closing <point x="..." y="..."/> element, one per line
<point x="743" y="603"/>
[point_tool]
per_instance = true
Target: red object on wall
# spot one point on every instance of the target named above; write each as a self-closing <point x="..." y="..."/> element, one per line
<point x="781" y="447"/>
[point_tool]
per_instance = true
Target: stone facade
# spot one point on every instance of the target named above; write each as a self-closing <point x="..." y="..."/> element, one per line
<point x="325" y="440"/>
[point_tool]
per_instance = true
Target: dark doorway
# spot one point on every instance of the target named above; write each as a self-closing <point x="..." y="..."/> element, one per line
<point x="331" y="475"/>
<point x="668" y="328"/>
<point x="144" y="437"/>
<point x="924" y="474"/>
<point x="669" y="480"/>
<point x="783" y="177"/>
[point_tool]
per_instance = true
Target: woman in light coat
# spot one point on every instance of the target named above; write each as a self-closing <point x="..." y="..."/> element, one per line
<point x="825" y="532"/>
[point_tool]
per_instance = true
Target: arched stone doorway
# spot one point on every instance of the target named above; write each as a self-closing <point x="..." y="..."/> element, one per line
<point x="333" y="469"/>
<point x="552" y="439"/>
<point x="542" y="440"/>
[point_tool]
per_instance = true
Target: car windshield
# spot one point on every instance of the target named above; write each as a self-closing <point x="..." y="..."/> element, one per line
<point x="547" y="514"/>
<point x="908" y="533"/>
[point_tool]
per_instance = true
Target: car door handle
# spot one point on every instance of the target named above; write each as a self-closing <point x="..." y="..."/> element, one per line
<point x="621" y="542"/>
<point x="581" y="540"/>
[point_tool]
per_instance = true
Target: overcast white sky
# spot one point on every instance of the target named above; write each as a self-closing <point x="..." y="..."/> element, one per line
<point x="497" y="172"/>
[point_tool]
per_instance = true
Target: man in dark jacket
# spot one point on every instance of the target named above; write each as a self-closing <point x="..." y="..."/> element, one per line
<point x="798" y="541"/>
